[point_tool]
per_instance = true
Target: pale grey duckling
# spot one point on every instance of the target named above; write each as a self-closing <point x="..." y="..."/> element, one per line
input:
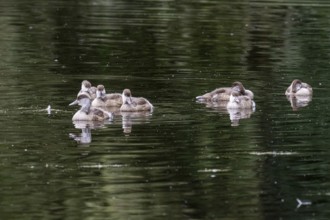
<point x="223" y="94"/>
<point x="106" y="100"/>
<point x="88" y="113"/>
<point x="134" y="104"/>
<point x="87" y="87"/>
<point x="238" y="101"/>
<point x="299" y="88"/>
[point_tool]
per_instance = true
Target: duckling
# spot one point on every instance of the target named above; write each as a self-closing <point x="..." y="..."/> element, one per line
<point x="238" y="101"/>
<point x="299" y="88"/>
<point x="87" y="87"/>
<point x="134" y="104"/>
<point x="106" y="100"/>
<point x="223" y="94"/>
<point x="88" y="113"/>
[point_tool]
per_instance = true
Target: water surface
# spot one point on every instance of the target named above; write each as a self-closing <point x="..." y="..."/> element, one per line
<point x="186" y="160"/>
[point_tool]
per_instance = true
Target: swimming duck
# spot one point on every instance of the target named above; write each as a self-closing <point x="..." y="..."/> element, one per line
<point x="134" y="104"/>
<point x="106" y="100"/>
<point x="238" y="101"/>
<point x="86" y="87"/>
<point x="88" y="113"/>
<point x="299" y="88"/>
<point x="223" y="94"/>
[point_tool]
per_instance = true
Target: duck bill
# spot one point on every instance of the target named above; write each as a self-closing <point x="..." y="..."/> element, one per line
<point x="75" y="102"/>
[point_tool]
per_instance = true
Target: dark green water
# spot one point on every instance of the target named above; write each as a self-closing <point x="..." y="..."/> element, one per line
<point x="186" y="160"/>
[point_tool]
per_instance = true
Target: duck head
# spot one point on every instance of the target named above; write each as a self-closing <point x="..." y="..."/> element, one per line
<point x="127" y="97"/>
<point x="84" y="101"/>
<point x="296" y="85"/>
<point x="100" y="91"/>
<point x="85" y="86"/>
<point x="234" y="96"/>
<point x="238" y="87"/>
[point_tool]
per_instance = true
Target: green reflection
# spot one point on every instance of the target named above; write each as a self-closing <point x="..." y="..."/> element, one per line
<point x="185" y="161"/>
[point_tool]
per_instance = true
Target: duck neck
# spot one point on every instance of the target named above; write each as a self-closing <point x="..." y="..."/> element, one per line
<point x="86" y="105"/>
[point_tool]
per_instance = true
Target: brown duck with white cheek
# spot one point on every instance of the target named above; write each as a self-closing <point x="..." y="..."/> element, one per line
<point x="299" y="88"/>
<point x="106" y="100"/>
<point x="134" y="104"/>
<point x="223" y="94"/>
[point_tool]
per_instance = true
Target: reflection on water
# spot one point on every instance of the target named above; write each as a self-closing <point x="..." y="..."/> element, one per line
<point x="85" y="137"/>
<point x="299" y="101"/>
<point x="185" y="161"/>
<point x="235" y="115"/>
<point x="131" y="118"/>
<point x="128" y="119"/>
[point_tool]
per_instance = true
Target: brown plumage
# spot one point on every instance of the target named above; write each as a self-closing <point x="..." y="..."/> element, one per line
<point x="134" y="104"/>
<point x="223" y="94"/>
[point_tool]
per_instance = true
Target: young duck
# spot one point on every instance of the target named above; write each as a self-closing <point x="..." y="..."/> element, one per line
<point x="86" y="87"/>
<point x="133" y="104"/>
<point x="88" y="113"/>
<point x="238" y="101"/>
<point x="106" y="100"/>
<point x="299" y="88"/>
<point x="223" y="94"/>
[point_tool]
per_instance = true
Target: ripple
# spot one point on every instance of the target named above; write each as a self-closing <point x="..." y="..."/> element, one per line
<point x="274" y="153"/>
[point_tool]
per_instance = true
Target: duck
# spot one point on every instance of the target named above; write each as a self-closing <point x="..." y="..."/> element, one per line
<point x="299" y="88"/>
<point x="86" y="87"/>
<point x="134" y="104"/>
<point x="238" y="101"/>
<point x="88" y="113"/>
<point x="106" y="100"/>
<point x="223" y="94"/>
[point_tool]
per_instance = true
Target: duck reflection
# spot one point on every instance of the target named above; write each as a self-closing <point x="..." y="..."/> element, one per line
<point x="130" y="118"/>
<point x="235" y="114"/>
<point x="85" y="137"/>
<point x="299" y="101"/>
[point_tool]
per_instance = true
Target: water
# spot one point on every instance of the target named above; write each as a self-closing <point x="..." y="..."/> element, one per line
<point x="186" y="160"/>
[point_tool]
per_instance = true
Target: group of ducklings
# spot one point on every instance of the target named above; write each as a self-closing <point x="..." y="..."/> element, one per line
<point x="94" y="100"/>
<point x="237" y="97"/>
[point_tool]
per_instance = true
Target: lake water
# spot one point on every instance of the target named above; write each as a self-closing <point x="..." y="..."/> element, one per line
<point x="186" y="160"/>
